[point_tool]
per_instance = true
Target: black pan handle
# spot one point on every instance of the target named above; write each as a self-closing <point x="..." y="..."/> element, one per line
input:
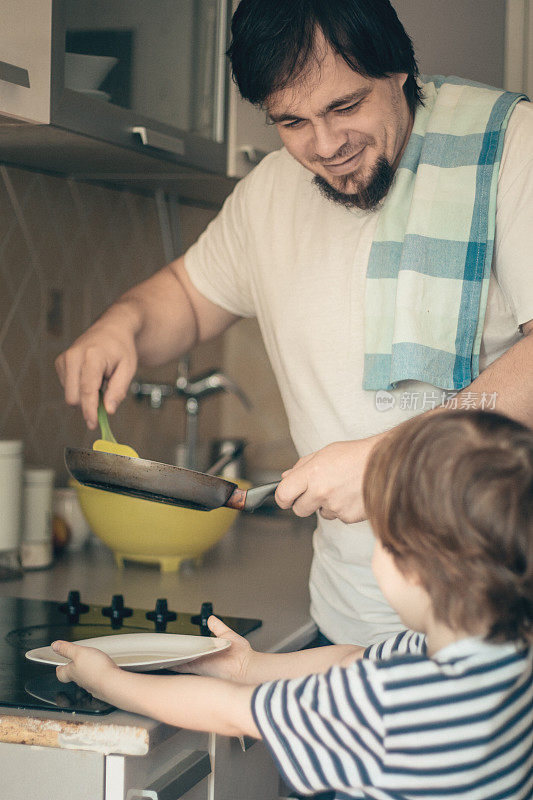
<point x="250" y="499"/>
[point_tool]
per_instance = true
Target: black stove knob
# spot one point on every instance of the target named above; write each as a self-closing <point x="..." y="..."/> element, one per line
<point x="73" y="607"/>
<point x="161" y="615"/>
<point x="117" y="611"/>
<point x="201" y="618"/>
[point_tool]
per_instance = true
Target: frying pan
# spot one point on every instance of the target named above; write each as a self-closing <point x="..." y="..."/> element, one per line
<point x="162" y="483"/>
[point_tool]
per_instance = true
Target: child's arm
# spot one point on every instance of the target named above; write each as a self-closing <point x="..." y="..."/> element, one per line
<point x="217" y="701"/>
<point x="242" y="664"/>
<point x="189" y="701"/>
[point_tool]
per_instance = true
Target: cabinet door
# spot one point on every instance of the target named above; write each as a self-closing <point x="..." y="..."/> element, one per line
<point x="25" y="58"/>
<point x="164" y="63"/>
<point x="244" y="774"/>
<point x="178" y="768"/>
<point x="249" y="135"/>
<point x="50" y="773"/>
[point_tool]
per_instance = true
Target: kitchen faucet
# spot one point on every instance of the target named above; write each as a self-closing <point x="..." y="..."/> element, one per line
<point x="193" y="390"/>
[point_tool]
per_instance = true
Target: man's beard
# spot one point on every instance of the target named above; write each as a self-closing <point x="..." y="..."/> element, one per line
<point x="366" y="197"/>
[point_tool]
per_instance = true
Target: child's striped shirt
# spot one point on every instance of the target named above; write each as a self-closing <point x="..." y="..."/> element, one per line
<point x="398" y="725"/>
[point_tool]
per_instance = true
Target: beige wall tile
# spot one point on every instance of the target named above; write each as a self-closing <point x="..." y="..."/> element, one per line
<point x="67" y="250"/>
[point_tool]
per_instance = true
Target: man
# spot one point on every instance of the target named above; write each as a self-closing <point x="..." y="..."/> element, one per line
<point x="314" y="243"/>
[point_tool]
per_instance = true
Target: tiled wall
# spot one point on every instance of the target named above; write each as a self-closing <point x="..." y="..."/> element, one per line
<point x="66" y="251"/>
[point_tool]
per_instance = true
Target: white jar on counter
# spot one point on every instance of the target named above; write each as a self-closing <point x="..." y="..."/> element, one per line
<point x="67" y="509"/>
<point x="36" y="550"/>
<point x="11" y="465"/>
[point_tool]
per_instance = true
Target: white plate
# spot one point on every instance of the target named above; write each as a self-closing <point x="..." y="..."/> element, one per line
<point x="141" y="651"/>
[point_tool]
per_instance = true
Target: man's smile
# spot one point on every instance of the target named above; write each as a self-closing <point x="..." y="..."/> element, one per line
<point x="345" y="167"/>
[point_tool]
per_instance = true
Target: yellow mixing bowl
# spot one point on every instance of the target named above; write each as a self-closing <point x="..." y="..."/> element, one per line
<point x="156" y="533"/>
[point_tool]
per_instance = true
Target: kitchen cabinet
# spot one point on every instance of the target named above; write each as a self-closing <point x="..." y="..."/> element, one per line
<point x="179" y="768"/>
<point x="244" y="770"/>
<point x="125" y="91"/>
<point x="62" y="775"/>
<point x="172" y="770"/>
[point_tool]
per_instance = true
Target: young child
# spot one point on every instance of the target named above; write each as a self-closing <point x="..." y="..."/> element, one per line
<point x="443" y="710"/>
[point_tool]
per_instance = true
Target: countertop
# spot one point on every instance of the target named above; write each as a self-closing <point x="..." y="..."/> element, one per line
<point x="259" y="569"/>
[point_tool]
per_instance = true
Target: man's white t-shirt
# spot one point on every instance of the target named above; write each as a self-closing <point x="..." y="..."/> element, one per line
<point x="281" y="252"/>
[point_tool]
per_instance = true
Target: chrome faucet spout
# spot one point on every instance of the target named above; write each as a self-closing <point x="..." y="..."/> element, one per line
<point x="193" y="390"/>
<point x="210" y="383"/>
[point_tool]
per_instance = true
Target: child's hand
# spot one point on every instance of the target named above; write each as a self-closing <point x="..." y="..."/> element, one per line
<point x="89" y="668"/>
<point x="230" y="664"/>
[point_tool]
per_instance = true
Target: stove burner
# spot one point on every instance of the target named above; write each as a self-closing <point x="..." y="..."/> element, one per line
<point x="117" y="611"/>
<point x="201" y="619"/>
<point x="161" y="615"/>
<point x="28" y="624"/>
<point x="73" y="607"/>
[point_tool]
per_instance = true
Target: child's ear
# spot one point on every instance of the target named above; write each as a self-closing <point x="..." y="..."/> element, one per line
<point x="415" y="581"/>
<point x="413" y="576"/>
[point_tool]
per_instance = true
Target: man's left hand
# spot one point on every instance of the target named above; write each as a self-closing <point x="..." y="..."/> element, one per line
<point x="329" y="481"/>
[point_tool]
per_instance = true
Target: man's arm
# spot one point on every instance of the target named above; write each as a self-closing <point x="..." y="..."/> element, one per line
<point x="330" y="480"/>
<point x="154" y="322"/>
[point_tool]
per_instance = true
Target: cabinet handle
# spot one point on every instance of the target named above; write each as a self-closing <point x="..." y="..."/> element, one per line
<point x="12" y="74"/>
<point x="160" y="141"/>
<point x="252" y="154"/>
<point x="178" y="780"/>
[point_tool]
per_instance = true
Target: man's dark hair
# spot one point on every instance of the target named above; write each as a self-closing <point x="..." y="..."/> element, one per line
<point x="274" y="40"/>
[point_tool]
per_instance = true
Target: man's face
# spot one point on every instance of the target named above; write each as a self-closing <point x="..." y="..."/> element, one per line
<point x="349" y="130"/>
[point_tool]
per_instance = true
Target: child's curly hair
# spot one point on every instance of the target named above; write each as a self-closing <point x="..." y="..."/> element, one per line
<point x="451" y="496"/>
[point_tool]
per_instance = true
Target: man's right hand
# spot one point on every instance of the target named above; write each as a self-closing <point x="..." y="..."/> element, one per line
<point x="106" y="351"/>
<point x="155" y="322"/>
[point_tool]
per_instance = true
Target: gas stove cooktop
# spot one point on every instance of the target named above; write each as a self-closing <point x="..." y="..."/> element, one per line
<point x="27" y="624"/>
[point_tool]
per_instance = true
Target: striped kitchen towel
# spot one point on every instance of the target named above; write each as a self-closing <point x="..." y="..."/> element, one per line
<point x="429" y="266"/>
